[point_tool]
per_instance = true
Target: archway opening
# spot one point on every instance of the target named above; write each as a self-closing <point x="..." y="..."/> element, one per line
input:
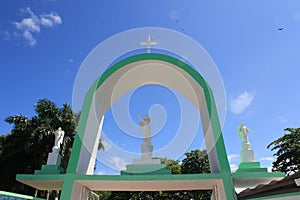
<point x="142" y="70"/>
<point x="176" y="127"/>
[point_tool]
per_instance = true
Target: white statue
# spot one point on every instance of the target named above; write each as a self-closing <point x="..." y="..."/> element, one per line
<point x="145" y="124"/>
<point x="243" y="133"/>
<point x="53" y="157"/>
<point x="59" y="136"/>
<point x="147" y="147"/>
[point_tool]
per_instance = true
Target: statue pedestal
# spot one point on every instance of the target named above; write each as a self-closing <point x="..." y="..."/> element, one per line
<point x="50" y="169"/>
<point x="146" y="161"/>
<point x="53" y="164"/>
<point x="146" y="169"/>
<point x="248" y="163"/>
<point x="247" y="155"/>
<point x="146" y="166"/>
<point x="54" y="158"/>
<point x="147" y="149"/>
<point x="250" y="167"/>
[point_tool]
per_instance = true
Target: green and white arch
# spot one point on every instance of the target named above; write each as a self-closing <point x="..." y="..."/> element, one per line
<point x="133" y="72"/>
<point x="130" y="73"/>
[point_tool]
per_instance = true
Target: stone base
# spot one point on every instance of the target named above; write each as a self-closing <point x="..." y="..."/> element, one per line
<point x="247" y="155"/>
<point x="146" y="161"/>
<point x="54" y="158"/>
<point x="147" y="169"/>
<point x="50" y="169"/>
<point x="250" y="167"/>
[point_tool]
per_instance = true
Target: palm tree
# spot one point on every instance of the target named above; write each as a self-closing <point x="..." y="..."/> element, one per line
<point x="27" y="145"/>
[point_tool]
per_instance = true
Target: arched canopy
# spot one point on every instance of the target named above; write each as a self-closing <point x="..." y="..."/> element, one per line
<point x="133" y="72"/>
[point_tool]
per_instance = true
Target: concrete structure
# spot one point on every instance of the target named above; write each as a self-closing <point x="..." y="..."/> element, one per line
<point x="131" y="72"/>
<point x="147" y="164"/>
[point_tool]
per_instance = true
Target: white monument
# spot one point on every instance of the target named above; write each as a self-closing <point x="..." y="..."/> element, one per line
<point x="247" y="155"/>
<point x="54" y="157"/>
<point x="146" y="147"/>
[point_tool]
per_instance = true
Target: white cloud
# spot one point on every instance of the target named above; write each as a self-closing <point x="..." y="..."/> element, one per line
<point x="267" y="162"/>
<point x="267" y="159"/>
<point x="6" y="35"/>
<point x="71" y="60"/>
<point x="100" y="172"/>
<point x="269" y="169"/>
<point x="233" y="167"/>
<point x="241" y="102"/>
<point x="232" y="157"/>
<point x="29" y="24"/>
<point x="46" y="22"/>
<point x="107" y="145"/>
<point x="32" y="24"/>
<point x="118" y="162"/>
<point x="282" y="120"/>
<point x="49" y="20"/>
<point x="29" y="38"/>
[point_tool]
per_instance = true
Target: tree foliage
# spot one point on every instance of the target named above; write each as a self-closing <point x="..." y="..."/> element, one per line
<point x="172" y="165"/>
<point x="26" y="148"/>
<point x="196" y="162"/>
<point x="27" y="145"/>
<point x="286" y="150"/>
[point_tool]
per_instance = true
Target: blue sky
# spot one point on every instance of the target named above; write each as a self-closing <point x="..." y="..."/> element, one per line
<point x="43" y="43"/>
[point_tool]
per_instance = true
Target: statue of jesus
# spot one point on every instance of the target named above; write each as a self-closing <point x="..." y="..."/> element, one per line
<point x="147" y="147"/>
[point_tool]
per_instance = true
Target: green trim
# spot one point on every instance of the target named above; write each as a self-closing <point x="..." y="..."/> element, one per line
<point x="252" y="170"/>
<point x="152" y="177"/>
<point x="50" y="177"/>
<point x="262" y="175"/>
<point x="228" y="186"/>
<point x="212" y="111"/>
<point x="279" y="196"/>
<point x="71" y="177"/>
<point x="11" y="194"/>
<point x="250" y="167"/>
<point x="217" y="132"/>
<point x="146" y="169"/>
<point x="67" y="188"/>
<point x="50" y="169"/>
<point x="221" y="151"/>
<point x="80" y="130"/>
<point x="247" y="165"/>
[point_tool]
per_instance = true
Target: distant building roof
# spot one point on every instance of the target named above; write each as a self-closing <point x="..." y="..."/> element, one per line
<point x="284" y="186"/>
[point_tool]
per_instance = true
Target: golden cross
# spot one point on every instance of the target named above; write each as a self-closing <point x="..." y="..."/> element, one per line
<point x="148" y="43"/>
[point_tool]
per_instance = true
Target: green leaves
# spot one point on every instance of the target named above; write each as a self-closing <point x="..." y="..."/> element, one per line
<point x="172" y="165"/>
<point x="27" y="145"/>
<point x="195" y="162"/>
<point x="286" y="149"/>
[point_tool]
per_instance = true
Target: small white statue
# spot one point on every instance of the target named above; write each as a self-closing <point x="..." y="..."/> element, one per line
<point x="147" y="147"/>
<point x="59" y="136"/>
<point x="243" y="133"/>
